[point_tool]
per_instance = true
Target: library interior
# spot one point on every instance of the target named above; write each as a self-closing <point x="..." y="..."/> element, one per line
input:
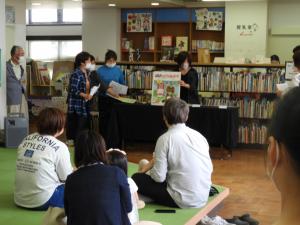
<point x="167" y="112"/>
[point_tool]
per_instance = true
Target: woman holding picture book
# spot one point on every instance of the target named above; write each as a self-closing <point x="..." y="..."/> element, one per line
<point x="189" y="79"/>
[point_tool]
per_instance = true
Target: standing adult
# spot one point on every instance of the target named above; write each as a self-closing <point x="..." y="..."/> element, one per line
<point x="189" y="79"/>
<point x="107" y="73"/>
<point x="79" y="96"/>
<point x="15" y="77"/>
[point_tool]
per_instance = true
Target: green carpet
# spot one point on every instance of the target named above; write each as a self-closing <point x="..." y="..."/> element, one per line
<point x="12" y="215"/>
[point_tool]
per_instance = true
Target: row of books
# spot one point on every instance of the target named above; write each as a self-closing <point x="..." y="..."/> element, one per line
<point x="211" y="45"/>
<point x="239" y="82"/>
<point x="252" y="133"/>
<point x="39" y="73"/>
<point x="253" y="108"/>
<point x="139" y="79"/>
<point x="215" y="81"/>
<point x="248" y="107"/>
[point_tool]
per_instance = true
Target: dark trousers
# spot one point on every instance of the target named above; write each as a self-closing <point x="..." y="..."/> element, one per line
<point x="76" y="124"/>
<point x="156" y="191"/>
<point x="106" y="105"/>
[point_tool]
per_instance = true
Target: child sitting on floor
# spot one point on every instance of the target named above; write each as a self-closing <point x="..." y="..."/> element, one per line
<point x="118" y="158"/>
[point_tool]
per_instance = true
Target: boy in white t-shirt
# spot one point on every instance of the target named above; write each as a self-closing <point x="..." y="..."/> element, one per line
<point x="43" y="164"/>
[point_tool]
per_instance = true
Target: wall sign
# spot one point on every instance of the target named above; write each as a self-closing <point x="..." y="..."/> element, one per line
<point x="247" y="29"/>
<point x="139" y="22"/>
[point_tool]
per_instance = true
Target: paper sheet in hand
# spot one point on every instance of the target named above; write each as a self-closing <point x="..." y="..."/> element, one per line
<point x="282" y="87"/>
<point x="94" y="90"/>
<point x="118" y="88"/>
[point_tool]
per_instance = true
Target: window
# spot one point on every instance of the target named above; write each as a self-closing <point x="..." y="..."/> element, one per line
<point x="70" y="49"/>
<point x="43" y="50"/>
<point x="72" y="15"/>
<point x="44" y="16"/>
<point x="27" y="16"/>
<point x="54" y="50"/>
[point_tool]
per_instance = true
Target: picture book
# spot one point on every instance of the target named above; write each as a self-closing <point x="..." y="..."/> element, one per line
<point x="181" y="44"/>
<point x="165" y="84"/>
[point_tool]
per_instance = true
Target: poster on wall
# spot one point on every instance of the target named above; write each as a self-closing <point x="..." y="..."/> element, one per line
<point x="10" y="15"/>
<point x="139" y="22"/>
<point x="209" y="20"/>
<point x="165" y="84"/>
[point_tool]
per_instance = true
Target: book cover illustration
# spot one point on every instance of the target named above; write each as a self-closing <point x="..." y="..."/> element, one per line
<point x="181" y="44"/>
<point x="209" y="20"/>
<point x="166" y="41"/>
<point x="139" y="22"/>
<point x="167" y="54"/>
<point x="165" y="84"/>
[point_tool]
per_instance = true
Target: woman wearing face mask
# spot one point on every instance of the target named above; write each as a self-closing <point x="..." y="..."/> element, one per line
<point x="110" y="71"/>
<point x="189" y="79"/>
<point x="107" y="73"/>
<point x="96" y="81"/>
<point x="283" y="158"/>
<point x="79" y="96"/>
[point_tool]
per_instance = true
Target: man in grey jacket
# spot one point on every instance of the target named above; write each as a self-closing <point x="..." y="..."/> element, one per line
<point x="16" y="101"/>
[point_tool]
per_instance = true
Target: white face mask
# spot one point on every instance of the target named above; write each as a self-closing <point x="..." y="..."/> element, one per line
<point x="185" y="66"/>
<point x="22" y="59"/>
<point x="111" y="65"/>
<point x="92" y="67"/>
<point x="271" y="174"/>
<point x="88" y="66"/>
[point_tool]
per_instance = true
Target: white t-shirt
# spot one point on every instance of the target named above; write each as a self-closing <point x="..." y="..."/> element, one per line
<point x="43" y="163"/>
<point x="134" y="214"/>
<point x="182" y="160"/>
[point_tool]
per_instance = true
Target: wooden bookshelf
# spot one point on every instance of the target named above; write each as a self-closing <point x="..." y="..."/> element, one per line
<point x="170" y="26"/>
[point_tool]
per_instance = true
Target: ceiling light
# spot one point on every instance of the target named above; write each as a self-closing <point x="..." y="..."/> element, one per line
<point x="76" y="0"/>
<point x="36" y="3"/>
<point x="112" y="5"/>
<point x="155" y="3"/>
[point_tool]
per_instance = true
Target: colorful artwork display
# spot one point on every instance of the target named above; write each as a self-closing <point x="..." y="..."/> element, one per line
<point x="209" y="20"/>
<point x="139" y="22"/>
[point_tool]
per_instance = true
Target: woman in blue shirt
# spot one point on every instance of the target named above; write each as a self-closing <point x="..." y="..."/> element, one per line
<point x="107" y="73"/>
<point x="79" y="96"/>
<point x="110" y="71"/>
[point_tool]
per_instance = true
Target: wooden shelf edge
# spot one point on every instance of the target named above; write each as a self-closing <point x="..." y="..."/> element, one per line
<point x="195" y="64"/>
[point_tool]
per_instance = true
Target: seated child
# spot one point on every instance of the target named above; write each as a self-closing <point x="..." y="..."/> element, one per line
<point x="118" y="158"/>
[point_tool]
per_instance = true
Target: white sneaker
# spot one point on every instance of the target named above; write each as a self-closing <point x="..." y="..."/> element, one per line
<point x="214" y="221"/>
<point x="220" y="221"/>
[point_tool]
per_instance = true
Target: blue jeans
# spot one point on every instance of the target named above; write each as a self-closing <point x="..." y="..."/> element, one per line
<point x="56" y="200"/>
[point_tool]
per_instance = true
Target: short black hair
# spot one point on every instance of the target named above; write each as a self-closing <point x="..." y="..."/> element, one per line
<point x="275" y="58"/>
<point x="110" y="54"/>
<point x="296" y="59"/>
<point x="116" y="158"/>
<point x="14" y="49"/>
<point x="176" y="111"/>
<point x="296" y="49"/>
<point x="182" y="56"/>
<point x="50" y="121"/>
<point x="81" y="58"/>
<point x="89" y="148"/>
<point x="92" y="58"/>
<point x="284" y="126"/>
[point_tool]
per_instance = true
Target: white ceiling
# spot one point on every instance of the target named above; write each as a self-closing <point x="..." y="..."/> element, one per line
<point x="135" y="3"/>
